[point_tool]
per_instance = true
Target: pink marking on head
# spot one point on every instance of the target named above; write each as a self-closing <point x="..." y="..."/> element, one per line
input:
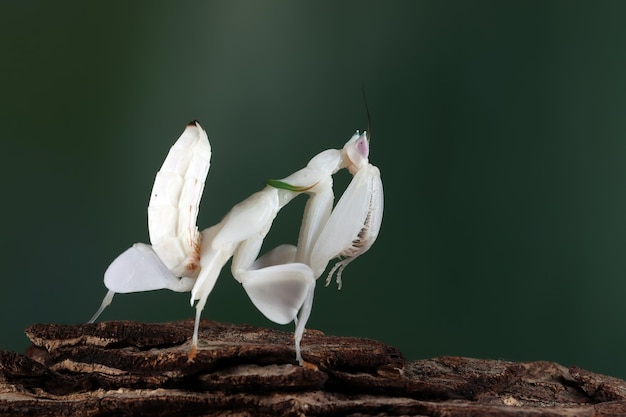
<point x="357" y="150"/>
<point x="363" y="146"/>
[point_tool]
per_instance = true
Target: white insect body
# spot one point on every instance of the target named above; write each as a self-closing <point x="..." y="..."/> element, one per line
<point x="281" y="282"/>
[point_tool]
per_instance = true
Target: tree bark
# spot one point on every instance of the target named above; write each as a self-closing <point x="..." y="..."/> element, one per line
<point x="128" y="368"/>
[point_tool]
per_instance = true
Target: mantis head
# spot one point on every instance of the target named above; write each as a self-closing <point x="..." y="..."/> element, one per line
<point x="357" y="150"/>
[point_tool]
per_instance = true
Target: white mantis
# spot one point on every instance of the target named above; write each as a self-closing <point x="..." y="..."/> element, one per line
<point x="280" y="283"/>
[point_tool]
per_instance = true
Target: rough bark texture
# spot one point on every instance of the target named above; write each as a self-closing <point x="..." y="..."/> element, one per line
<point x="127" y="368"/>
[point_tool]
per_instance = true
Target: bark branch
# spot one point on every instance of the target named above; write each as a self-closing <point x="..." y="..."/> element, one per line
<point x="128" y="368"/>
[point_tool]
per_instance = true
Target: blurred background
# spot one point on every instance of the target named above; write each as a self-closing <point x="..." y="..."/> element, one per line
<point x="498" y="128"/>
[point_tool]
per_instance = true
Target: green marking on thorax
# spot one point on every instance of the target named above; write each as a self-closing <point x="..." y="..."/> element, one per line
<point x="281" y="185"/>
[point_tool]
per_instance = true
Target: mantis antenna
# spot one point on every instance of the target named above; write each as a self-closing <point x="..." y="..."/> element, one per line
<point x="367" y="113"/>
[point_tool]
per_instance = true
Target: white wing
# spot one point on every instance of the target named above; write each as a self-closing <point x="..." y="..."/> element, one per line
<point x="354" y="223"/>
<point x="174" y="202"/>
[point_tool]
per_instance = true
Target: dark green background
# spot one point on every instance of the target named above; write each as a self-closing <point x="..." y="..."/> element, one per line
<point x="499" y="130"/>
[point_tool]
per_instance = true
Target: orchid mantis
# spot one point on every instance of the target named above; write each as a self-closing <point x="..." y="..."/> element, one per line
<point x="281" y="282"/>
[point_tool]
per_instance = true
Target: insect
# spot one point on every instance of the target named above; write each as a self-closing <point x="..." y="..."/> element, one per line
<point x="281" y="282"/>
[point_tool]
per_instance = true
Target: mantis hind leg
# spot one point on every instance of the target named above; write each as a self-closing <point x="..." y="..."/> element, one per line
<point x="196" y="328"/>
<point x="105" y="303"/>
<point x="301" y="320"/>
